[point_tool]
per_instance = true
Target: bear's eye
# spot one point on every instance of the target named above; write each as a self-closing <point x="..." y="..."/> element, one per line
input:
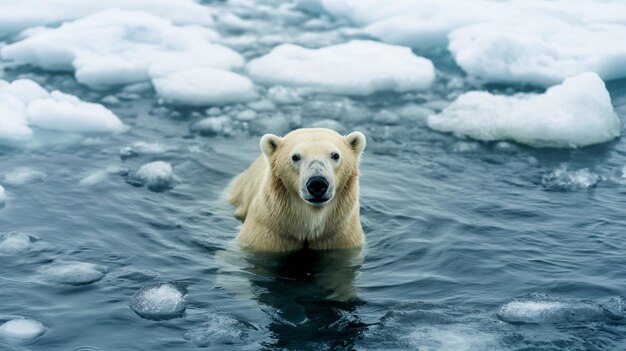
<point x="295" y="158"/>
<point x="334" y="156"/>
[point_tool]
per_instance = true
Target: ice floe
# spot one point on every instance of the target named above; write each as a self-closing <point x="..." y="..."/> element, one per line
<point x="25" y="104"/>
<point x="541" y="53"/>
<point x="22" y="329"/>
<point x="11" y="243"/>
<point x="159" y="300"/>
<point x="574" y="114"/>
<point x="204" y="86"/>
<point x="17" y="16"/>
<point x="73" y="272"/>
<point x="359" y="67"/>
<point x="541" y="308"/>
<point x="157" y="176"/>
<point x="121" y="47"/>
<point x="24" y="175"/>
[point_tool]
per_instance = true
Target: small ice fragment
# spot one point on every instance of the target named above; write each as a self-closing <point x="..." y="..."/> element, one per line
<point x="159" y="300"/>
<point x="3" y="197"/>
<point x="330" y="124"/>
<point x="73" y="273"/>
<point x="157" y="176"/>
<point x="564" y="179"/>
<point x="541" y="308"/>
<point x="246" y="115"/>
<point x="213" y="125"/>
<point x="220" y="330"/>
<point x="24" y="175"/>
<point x="12" y="243"/>
<point x="22" y="329"/>
<point x="142" y="148"/>
<point x="283" y="95"/>
<point x="615" y="307"/>
<point x="94" y="178"/>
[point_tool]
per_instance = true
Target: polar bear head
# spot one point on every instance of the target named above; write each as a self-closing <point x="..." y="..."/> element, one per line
<point x="314" y="164"/>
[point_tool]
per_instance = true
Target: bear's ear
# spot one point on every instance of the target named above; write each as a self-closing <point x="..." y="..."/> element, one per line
<point x="356" y="141"/>
<point x="269" y="143"/>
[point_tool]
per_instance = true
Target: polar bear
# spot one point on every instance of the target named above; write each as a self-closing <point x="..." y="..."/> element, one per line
<point x="302" y="192"/>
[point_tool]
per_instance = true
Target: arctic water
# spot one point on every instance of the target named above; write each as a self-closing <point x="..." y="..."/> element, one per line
<point x="470" y="245"/>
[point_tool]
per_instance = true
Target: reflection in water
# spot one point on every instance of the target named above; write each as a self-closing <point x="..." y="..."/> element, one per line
<point x="305" y="290"/>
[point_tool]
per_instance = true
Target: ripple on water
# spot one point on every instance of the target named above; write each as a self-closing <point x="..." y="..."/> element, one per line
<point x="160" y="300"/>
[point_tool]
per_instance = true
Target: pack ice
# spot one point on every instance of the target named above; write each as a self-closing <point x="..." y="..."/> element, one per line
<point x="359" y="67"/>
<point x="25" y="104"/>
<point x="573" y="114"/>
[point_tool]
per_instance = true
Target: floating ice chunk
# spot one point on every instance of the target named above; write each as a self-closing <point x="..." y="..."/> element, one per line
<point x="204" y="86"/>
<point x="220" y="330"/>
<point x="12" y="243"/>
<point x="24" y="175"/>
<point x="73" y="273"/>
<point x="22" y="329"/>
<point x="213" y="125"/>
<point x="359" y="67"/>
<point x="142" y="148"/>
<point x="24" y="103"/>
<point x="16" y="16"/>
<point x="574" y="114"/>
<point x="156" y="176"/>
<point x="67" y="113"/>
<point x="246" y="115"/>
<point x="541" y="53"/>
<point x="541" y="308"/>
<point x="330" y="124"/>
<point x="94" y="178"/>
<point x="159" y="300"/>
<point x="3" y="197"/>
<point x="121" y="47"/>
<point x="284" y="95"/>
<point x="564" y="179"/>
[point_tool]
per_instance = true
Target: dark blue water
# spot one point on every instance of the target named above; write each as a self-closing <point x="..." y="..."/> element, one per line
<point x="455" y="229"/>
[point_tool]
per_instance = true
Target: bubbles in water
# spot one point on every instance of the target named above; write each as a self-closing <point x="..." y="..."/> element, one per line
<point x="24" y="175"/>
<point x="159" y="300"/>
<point x="564" y="179"/>
<point x="220" y="330"/>
<point x="157" y="176"/>
<point x="73" y="273"/>
<point x="12" y="243"/>
<point x="22" y="329"/>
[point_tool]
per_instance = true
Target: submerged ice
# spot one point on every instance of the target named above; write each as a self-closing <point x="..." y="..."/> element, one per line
<point x="22" y="329"/>
<point x="73" y="272"/>
<point x="541" y="308"/>
<point x="574" y="114"/>
<point x="159" y="300"/>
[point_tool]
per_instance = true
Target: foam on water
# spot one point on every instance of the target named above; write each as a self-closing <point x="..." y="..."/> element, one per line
<point x="574" y="114"/>
<point x="22" y="329"/>
<point x="344" y="68"/>
<point x="73" y="272"/>
<point x="159" y="300"/>
<point x="157" y="176"/>
<point x="564" y="179"/>
<point x="24" y="175"/>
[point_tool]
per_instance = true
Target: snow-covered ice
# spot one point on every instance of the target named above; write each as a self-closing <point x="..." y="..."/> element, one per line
<point x="157" y="175"/>
<point x="25" y="104"/>
<point x="22" y="329"/>
<point x="16" y="16"/>
<point x="24" y="175"/>
<point x="121" y="47"/>
<point x="541" y="53"/>
<point x="359" y="67"/>
<point x="204" y="86"/>
<point x="574" y="114"/>
<point x="159" y="300"/>
<point x="73" y="272"/>
<point x="540" y="308"/>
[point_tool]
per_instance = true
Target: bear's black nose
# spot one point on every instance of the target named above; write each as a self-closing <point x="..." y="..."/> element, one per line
<point x="317" y="186"/>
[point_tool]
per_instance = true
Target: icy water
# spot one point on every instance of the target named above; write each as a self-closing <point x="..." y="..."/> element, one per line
<point x="456" y="230"/>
